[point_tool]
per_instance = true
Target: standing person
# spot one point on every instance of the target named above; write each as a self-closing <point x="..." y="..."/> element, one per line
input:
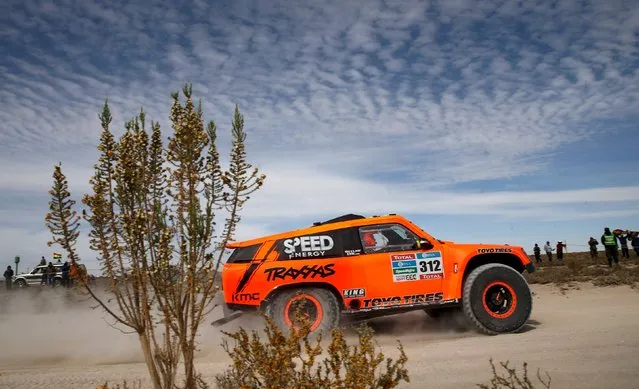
<point x="609" y="241"/>
<point x="548" y="249"/>
<point x="65" y="274"/>
<point x="623" y="242"/>
<point x="537" y="252"/>
<point x="634" y="241"/>
<point x="8" y="277"/>
<point x="50" y="273"/>
<point x="560" y="250"/>
<point x="594" y="253"/>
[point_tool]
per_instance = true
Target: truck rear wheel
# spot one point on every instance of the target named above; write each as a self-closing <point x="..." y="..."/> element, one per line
<point x="496" y="299"/>
<point x="318" y="305"/>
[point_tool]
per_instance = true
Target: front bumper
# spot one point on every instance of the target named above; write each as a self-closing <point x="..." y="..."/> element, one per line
<point x="530" y="267"/>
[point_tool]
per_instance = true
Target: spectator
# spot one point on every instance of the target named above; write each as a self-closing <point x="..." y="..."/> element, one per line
<point x="548" y="249"/>
<point x="594" y="253"/>
<point x="560" y="250"/>
<point x="623" y="242"/>
<point x="65" y="274"/>
<point x="634" y="241"/>
<point x="609" y="241"/>
<point x="8" y="277"/>
<point x="43" y="262"/>
<point x="50" y="272"/>
<point x="537" y="252"/>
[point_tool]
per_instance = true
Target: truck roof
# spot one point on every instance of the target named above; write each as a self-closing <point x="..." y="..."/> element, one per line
<point x="347" y="220"/>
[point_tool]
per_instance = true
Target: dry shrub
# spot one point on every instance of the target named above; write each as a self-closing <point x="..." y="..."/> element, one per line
<point x="578" y="267"/>
<point x="290" y="361"/>
<point x="555" y="275"/>
<point x="575" y="265"/>
<point x="125" y="385"/>
<point x="622" y="275"/>
<point x="512" y="380"/>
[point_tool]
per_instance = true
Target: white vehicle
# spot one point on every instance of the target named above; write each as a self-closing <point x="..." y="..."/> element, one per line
<point x="34" y="277"/>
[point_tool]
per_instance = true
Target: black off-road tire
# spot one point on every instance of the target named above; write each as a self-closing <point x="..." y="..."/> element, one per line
<point x="510" y="307"/>
<point x="20" y="283"/>
<point x="324" y="312"/>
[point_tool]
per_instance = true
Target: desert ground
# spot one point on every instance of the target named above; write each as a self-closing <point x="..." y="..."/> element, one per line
<point x="584" y="336"/>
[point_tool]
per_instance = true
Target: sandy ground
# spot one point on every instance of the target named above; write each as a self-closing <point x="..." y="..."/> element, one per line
<point x="587" y="338"/>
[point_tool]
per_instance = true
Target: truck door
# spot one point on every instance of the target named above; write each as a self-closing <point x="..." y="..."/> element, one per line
<point x="398" y="272"/>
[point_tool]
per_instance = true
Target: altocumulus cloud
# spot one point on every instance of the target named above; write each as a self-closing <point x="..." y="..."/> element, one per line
<point x="419" y="107"/>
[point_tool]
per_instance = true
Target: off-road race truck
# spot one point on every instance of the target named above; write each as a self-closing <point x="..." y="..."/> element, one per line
<point x="365" y="267"/>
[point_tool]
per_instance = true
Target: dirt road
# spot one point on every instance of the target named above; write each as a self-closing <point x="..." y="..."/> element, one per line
<point x="587" y="338"/>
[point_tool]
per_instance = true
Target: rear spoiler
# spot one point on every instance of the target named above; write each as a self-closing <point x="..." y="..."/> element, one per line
<point x="233" y="245"/>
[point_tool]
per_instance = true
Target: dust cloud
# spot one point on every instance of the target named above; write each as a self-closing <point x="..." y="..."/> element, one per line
<point x="45" y="326"/>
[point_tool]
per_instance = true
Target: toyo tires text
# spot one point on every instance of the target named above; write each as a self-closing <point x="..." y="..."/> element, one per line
<point x="496" y="299"/>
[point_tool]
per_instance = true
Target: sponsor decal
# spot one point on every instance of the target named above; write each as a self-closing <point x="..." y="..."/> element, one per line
<point x="352" y="252"/>
<point x="495" y="250"/>
<point x="402" y="257"/>
<point x="430" y="265"/>
<point x="308" y="246"/>
<point x="246" y="277"/>
<point x="405" y="270"/>
<point x="404" y="300"/>
<point x="404" y="264"/>
<point x="305" y="272"/>
<point x="405" y="277"/>
<point x="243" y="297"/>
<point x="354" y="293"/>
<point x="417" y="266"/>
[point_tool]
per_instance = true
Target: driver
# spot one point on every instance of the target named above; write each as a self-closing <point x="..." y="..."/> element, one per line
<point x="374" y="241"/>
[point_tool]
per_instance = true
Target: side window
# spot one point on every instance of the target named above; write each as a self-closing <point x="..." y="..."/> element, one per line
<point x="243" y="254"/>
<point x="351" y="243"/>
<point x="383" y="238"/>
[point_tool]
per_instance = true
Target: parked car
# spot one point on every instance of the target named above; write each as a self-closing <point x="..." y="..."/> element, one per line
<point x="34" y="277"/>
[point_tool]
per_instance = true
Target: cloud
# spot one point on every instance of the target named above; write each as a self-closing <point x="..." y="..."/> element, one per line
<point x="291" y="193"/>
<point x="428" y="105"/>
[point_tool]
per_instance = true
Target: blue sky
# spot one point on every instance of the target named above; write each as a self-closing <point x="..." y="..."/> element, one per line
<point x="505" y="121"/>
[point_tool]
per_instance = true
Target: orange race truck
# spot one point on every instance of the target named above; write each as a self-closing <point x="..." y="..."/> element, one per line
<point x="364" y="267"/>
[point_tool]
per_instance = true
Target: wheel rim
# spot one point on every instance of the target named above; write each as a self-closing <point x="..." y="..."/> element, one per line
<point x="499" y="300"/>
<point x="310" y="308"/>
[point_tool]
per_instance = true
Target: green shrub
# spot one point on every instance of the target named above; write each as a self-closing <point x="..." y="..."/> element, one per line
<point x="291" y="361"/>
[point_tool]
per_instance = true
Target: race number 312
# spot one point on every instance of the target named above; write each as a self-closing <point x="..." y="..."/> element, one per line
<point x="430" y="266"/>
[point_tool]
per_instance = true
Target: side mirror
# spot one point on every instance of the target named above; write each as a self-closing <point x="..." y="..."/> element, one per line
<point x="423" y="244"/>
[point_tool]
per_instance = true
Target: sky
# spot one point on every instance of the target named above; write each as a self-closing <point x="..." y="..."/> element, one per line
<point x="482" y="121"/>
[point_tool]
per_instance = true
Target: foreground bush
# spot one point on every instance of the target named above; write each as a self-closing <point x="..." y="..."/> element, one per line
<point x="512" y="380"/>
<point x="160" y="215"/>
<point x="290" y="361"/>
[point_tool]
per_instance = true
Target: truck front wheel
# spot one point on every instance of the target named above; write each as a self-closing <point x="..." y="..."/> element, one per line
<point x="319" y="306"/>
<point x="496" y="299"/>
